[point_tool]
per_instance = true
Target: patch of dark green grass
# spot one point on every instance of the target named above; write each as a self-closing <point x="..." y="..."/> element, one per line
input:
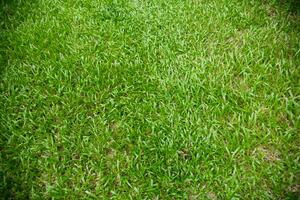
<point x="149" y="99"/>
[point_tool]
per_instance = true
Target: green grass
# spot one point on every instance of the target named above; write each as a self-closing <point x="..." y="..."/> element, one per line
<point x="149" y="99"/>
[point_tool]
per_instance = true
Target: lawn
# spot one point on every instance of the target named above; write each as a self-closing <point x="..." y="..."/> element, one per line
<point x="149" y="99"/>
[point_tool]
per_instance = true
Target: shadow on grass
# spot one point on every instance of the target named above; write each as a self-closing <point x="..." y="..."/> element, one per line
<point x="8" y="10"/>
<point x="12" y="179"/>
<point x="293" y="6"/>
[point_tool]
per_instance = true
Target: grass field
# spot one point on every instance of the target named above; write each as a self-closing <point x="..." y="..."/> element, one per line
<point x="149" y="99"/>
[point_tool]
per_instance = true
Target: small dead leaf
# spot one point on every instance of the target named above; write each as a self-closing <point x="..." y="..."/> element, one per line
<point x="283" y="119"/>
<point x="268" y="154"/>
<point x="113" y="126"/>
<point x="264" y="110"/>
<point x="212" y="196"/>
<point x="271" y="11"/>
<point x="118" y="180"/>
<point x="76" y="156"/>
<point x="155" y="198"/>
<point x="193" y="196"/>
<point x="184" y="154"/>
<point x="110" y="194"/>
<point x="295" y="188"/>
<point x="111" y="153"/>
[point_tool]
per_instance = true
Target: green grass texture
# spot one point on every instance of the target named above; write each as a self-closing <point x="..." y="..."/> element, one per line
<point x="149" y="99"/>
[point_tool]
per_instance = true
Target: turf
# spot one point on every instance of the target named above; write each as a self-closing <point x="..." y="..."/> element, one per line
<point x="149" y="99"/>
